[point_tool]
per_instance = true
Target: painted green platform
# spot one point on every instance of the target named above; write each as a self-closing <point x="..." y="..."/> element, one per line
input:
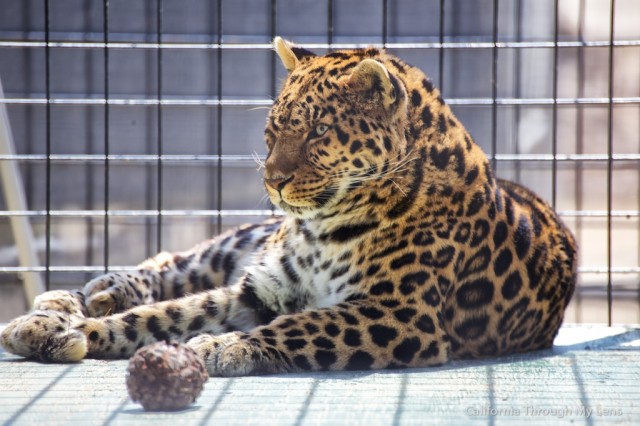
<point x="591" y="376"/>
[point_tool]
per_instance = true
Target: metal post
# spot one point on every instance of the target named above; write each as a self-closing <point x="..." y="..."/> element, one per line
<point x="14" y="194"/>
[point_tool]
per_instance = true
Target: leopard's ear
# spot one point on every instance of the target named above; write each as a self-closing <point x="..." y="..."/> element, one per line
<point x="289" y="54"/>
<point x="371" y="80"/>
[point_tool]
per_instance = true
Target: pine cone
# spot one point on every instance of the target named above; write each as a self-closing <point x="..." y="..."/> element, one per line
<point x="165" y="376"/>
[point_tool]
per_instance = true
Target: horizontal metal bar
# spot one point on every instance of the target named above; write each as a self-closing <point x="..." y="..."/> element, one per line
<point x="543" y="101"/>
<point x="25" y="269"/>
<point x="20" y="269"/>
<point x="604" y="270"/>
<point x="268" y="46"/>
<point x="138" y="213"/>
<point x="567" y="157"/>
<point x="196" y="158"/>
<point x="267" y="102"/>
<point x="599" y="213"/>
<point x="137" y="101"/>
<point x="231" y="213"/>
<point x="134" y="158"/>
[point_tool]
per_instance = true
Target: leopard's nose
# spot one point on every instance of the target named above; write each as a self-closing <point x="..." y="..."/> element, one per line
<point x="278" y="182"/>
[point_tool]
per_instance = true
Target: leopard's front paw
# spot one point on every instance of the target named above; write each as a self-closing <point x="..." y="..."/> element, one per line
<point x="227" y="354"/>
<point x="46" y="336"/>
<point x="104" y="303"/>
<point x="207" y="346"/>
<point x="104" y="295"/>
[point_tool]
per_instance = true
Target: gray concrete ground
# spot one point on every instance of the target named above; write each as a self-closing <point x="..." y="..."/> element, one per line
<point x="590" y="377"/>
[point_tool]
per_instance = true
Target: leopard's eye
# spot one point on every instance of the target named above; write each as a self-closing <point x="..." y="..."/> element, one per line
<point x="321" y="129"/>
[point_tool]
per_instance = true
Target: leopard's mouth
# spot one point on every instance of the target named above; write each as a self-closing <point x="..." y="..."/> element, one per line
<point x="278" y="200"/>
<point x="301" y="212"/>
<point x="303" y="207"/>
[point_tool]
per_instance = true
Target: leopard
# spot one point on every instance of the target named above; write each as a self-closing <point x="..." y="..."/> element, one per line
<point x="397" y="246"/>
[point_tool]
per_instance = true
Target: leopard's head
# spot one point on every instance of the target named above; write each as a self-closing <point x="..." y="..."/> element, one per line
<point x="336" y="131"/>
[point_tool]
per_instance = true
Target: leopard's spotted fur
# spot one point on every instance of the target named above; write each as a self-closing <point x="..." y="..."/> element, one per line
<point x="400" y="248"/>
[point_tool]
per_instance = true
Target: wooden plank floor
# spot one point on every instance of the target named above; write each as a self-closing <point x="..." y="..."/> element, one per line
<point x="591" y="376"/>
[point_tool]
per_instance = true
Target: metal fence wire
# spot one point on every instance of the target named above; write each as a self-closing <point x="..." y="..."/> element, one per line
<point x="135" y="123"/>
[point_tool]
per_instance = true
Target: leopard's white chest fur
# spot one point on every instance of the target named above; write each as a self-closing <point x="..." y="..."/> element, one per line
<point x="302" y="272"/>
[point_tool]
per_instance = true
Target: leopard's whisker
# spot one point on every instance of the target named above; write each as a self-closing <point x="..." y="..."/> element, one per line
<point x="259" y="107"/>
<point x="258" y="160"/>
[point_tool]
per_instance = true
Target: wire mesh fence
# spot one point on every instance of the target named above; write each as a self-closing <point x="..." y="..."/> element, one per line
<point x="136" y="123"/>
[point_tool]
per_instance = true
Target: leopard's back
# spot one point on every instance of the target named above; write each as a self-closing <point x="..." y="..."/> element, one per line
<point x="530" y="274"/>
